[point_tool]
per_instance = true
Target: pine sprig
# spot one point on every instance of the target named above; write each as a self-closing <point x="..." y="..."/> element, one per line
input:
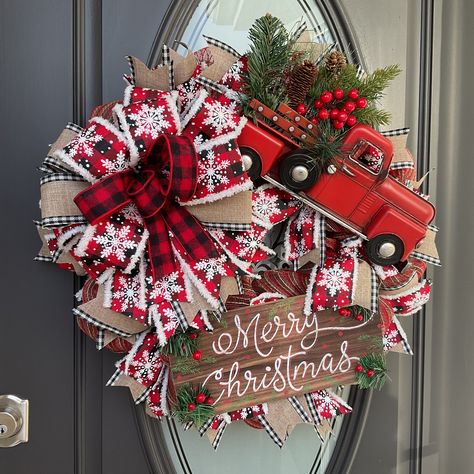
<point x="372" y="116"/>
<point x="373" y="85"/>
<point x="376" y="363"/>
<point x="268" y="59"/>
<point x="364" y="312"/>
<point x="182" y="343"/>
<point x="188" y="365"/>
<point x="185" y="396"/>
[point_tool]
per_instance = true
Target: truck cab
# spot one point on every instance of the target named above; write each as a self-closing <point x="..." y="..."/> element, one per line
<point x="355" y="189"/>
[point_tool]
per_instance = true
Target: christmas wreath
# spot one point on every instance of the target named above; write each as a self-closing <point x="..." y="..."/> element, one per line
<point x="245" y="236"/>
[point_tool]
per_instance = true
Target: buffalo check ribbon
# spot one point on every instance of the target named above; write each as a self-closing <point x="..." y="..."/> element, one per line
<point x="167" y="173"/>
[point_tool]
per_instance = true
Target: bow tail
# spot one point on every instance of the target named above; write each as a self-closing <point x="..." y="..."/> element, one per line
<point x="160" y="250"/>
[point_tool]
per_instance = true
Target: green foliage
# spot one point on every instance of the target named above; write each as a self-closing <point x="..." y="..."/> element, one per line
<point x="373" y="85"/>
<point x="181" y="343"/>
<point x="187" y="394"/>
<point x="268" y="59"/>
<point x="356" y="309"/>
<point x="376" y="362"/>
<point x="188" y="365"/>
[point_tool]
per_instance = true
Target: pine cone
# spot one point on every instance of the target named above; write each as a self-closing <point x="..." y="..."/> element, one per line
<point x="301" y="79"/>
<point x="334" y="62"/>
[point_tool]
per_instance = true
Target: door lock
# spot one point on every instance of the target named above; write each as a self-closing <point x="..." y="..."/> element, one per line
<point x="13" y="421"/>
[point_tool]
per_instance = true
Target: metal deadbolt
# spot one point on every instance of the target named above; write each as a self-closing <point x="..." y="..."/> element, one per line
<point x="299" y="173"/>
<point x="247" y="162"/>
<point x="332" y="169"/>
<point x="13" y="421"/>
<point x="387" y="249"/>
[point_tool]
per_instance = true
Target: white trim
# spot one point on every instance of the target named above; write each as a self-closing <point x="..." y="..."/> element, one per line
<point x="225" y="138"/>
<point x="193" y="109"/>
<point x="246" y="186"/>
<point x="70" y="162"/>
<point x="139" y="253"/>
<point x="134" y="154"/>
<point x="88" y="235"/>
<point x="308" y="301"/>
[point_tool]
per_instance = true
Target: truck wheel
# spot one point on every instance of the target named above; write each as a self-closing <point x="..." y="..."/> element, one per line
<point x="298" y="172"/>
<point x="385" y="249"/>
<point x="251" y="162"/>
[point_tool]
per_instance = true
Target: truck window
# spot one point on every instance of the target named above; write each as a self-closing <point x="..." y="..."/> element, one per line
<point x="368" y="156"/>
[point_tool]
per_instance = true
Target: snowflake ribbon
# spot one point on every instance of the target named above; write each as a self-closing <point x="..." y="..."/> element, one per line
<point x="154" y="195"/>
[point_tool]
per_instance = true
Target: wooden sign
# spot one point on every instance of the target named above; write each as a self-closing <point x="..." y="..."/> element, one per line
<point x="272" y="351"/>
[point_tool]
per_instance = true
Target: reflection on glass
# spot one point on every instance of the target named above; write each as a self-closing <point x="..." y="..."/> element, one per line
<point x="229" y="20"/>
<point x="244" y="449"/>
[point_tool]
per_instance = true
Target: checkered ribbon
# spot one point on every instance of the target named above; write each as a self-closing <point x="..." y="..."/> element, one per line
<point x="168" y="172"/>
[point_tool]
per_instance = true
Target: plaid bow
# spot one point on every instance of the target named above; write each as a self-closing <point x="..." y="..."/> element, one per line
<point x="169" y="171"/>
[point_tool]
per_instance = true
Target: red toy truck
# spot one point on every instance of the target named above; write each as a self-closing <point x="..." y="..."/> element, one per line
<point x="355" y="190"/>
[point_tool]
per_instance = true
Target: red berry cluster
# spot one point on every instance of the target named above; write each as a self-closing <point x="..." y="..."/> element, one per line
<point x="338" y="107"/>
<point x="200" y="399"/>
<point x="347" y="312"/>
<point x="369" y="372"/>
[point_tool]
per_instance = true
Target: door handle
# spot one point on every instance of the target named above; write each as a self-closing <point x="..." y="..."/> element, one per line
<point x="347" y="170"/>
<point x="13" y="421"/>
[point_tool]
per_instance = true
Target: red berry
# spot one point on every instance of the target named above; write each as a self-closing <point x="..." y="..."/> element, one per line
<point x="351" y="120"/>
<point x="338" y="94"/>
<point x="193" y="335"/>
<point x="349" y="106"/>
<point x="361" y="102"/>
<point x="353" y="94"/>
<point x="301" y="109"/>
<point x="359" y="317"/>
<point x="326" y="97"/>
<point x="314" y="120"/>
<point x="342" y="117"/>
<point x="370" y="373"/>
<point x="359" y="368"/>
<point x="337" y="124"/>
<point x="318" y="104"/>
<point x="334" y="113"/>
<point x="197" y="355"/>
<point x="323" y="114"/>
<point x="209" y="400"/>
<point x="344" y="312"/>
<point x="191" y="406"/>
<point x="200" y="397"/>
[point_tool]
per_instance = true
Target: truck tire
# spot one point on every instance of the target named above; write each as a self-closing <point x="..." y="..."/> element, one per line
<point x="298" y="171"/>
<point x="251" y="162"/>
<point x="385" y="249"/>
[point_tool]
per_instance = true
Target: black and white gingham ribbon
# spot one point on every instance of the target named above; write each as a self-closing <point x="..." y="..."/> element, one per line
<point x="222" y="45"/>
<point x="59" y="221"/>
<point x="132" y="69"/>
<point x="54" y="177"/>
<point x="312" y="408"/>
<point x="401" y="165"/>
<point x="100" y="325"/>
<point x="114" y="378"/>
<point x="374" y="291"/>
<point x="271" y="432"/>
<point x="100" y="340"/>
<point x="205" y="426"/>
<point x="183" y="322"/>
<point x="426" y="258"/>
<point x="322" y="239"/>
<point x="209" y="84"/>
<point x="240" y="287"/>
<point x="51" y="164"/>
<point x="234" y="227"/>
<point x="219" y="434"/>
<point x="433" y="228"/>
<point x="74" y="127"/>
<point x="396" y="132"/>
<point x="295" y="403"/>
<point x="43" y="258"/>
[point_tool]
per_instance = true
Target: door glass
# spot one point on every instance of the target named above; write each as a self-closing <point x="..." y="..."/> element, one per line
<point x="243" y="448"/>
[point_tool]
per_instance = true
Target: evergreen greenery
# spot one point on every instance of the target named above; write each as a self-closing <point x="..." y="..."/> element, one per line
<point x="202" y="412"/>
<point x="181" y="343"/>
<point x="374" y="361"/>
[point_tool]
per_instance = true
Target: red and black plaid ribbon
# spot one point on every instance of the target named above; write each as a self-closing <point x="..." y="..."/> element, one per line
<point x="168" y="172"/>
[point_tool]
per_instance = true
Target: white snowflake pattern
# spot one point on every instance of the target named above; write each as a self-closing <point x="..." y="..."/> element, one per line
<point x="129" y="292"/>
<point x="150" y="120"/>
<point x="389" y="339"/>
<point x="265" y="204"/>
<point x="418" y="300"/>
<point x="115" y="241"/>
<point x="243" y="414"/>
<point x="326" y="403"/>
<point x="334" y="279"/>
<point x="305" y="216"/>
<point x="219" y="116"/>
<point x="211" y="267"/>
<point x="131" y="213"/>
<point x="212" y="172"/>
<point x="234" y="72"/>
<point x="146" y="367"/>
<point x="249" y="243"/>
<point x="170" y="325"/>
<point x="299" y="249"/>
<point x="198" y="140"/>
<point x="120" y="163"/>
<point x="166" y="287"/>
<point x="83" y="144"/>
